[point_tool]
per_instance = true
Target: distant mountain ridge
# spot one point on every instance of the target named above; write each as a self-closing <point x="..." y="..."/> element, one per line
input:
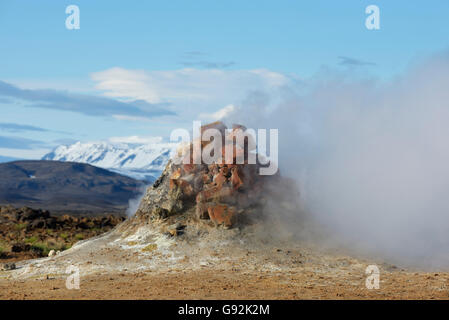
<point x="139" y="161"/>
<point x="65" y="187"/>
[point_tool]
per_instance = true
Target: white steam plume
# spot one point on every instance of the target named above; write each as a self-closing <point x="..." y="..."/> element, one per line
<point x="371" y="158"/>
<point x="134" y="203"/>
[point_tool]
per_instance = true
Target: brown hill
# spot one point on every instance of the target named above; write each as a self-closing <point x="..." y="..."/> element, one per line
<point x="65" y="187"/>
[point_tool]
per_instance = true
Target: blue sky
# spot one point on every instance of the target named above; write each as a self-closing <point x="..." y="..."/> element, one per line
<point x="142" y="68"/>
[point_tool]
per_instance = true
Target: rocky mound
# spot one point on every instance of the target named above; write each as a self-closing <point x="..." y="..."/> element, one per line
<point x="188" y="214"/>
<point x="220" y="192"/>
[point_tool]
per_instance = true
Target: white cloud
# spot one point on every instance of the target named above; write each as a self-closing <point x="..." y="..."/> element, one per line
<point x="23" y="153"/>
<point x="123" y="83"/>
<point x="220" y="114"/>
<point x="189" y="91"/>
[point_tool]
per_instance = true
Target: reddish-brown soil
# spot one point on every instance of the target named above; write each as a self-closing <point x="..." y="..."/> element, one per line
<point x="216" y="284"/>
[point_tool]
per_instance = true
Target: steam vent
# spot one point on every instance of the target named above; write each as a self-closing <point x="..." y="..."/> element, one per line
<point x="218" y="194"/>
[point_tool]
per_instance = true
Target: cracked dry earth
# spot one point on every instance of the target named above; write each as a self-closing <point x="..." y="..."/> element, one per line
<point x="211" y="263"/>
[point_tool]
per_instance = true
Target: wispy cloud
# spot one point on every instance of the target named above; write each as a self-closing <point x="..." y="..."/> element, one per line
<point x="220" y="114"/>
<point x="348" y="61"/>
<point x="19" y="143"/>
<point x="15" y="127"/>
<point x="82" y="103"/>
<point x="143" y="95"/>
<point x="191" y="91"/>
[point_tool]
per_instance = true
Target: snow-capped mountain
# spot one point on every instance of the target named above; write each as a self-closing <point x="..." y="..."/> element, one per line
<point x="139" y="161"/>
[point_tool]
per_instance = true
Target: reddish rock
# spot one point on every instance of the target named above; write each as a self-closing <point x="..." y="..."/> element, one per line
<point x="220" y="179"/>
<point x="222" y="214"/>
<point x="185" y="186"/>
<point x="236" y="181"/>
<point x="174" y="178"/>
<point x="176" y="174"/>
<point x="237" y="153"/>
<point x="220" y="189"/>
<point x="208" y="194"/>
<point x="189" y="168"/>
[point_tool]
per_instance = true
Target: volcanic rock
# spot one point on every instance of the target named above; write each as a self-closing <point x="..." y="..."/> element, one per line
<point x="8" y="266"/>
<point x="20" y="247"/>
<point x="221" y="192"/>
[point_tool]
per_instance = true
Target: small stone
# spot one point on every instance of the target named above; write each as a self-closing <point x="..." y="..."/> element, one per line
<point x="160" y="212"/>
<point x="8" y="266"/>
<point x="175" y="229"/>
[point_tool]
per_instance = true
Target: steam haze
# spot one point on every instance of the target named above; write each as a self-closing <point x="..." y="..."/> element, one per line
<point x="133" y="204"/>
<point x="371" y="158"/>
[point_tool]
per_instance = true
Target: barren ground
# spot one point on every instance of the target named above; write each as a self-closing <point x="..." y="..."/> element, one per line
<point x="218" y="284"/>
<point x="143" y="263"/>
